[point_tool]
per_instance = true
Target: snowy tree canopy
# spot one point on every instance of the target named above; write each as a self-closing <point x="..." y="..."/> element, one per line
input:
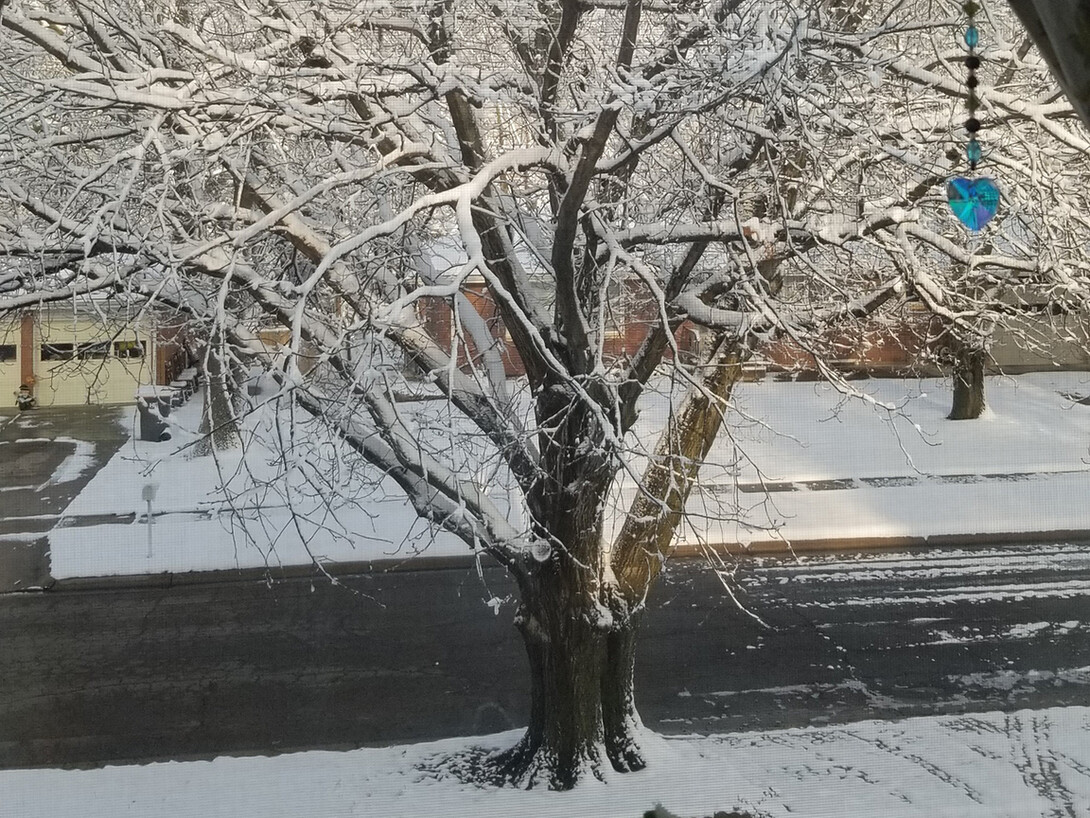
<point x="759" y="171"/>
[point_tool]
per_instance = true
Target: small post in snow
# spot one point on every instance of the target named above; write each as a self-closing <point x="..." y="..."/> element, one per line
<point x="148" y="495"/>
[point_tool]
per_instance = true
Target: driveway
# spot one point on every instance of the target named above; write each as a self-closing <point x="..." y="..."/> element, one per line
<point x="47" y="456"/>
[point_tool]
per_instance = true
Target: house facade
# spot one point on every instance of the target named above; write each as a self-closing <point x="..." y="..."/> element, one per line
<point x="76" y="355"/>
<point x="911" y="342"/>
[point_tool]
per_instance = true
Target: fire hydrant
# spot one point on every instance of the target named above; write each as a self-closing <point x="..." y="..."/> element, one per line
<point x="24" y="399"/>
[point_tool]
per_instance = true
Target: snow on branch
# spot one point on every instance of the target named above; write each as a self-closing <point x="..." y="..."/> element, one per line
<point x="439" y="495"/>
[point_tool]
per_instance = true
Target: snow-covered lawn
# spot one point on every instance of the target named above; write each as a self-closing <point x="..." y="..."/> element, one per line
<point x="1016" y="765"/>
<point x="843" y="468"/>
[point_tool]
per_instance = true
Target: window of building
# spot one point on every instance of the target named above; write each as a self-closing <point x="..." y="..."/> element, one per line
<point x="129" y="349"/>
<point x="7" y="352"/>
<point x="96" y="349"/>
<point x="58" y="352"/>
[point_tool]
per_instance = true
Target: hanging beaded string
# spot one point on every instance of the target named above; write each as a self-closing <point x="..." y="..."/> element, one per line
<point x="974" y="200"/>
<point x="972" y="63"/>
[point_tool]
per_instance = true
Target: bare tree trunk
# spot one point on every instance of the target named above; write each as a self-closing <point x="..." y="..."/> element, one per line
<point x="968" y="403"/>
<point x="582" y="701"/>
<point x="579" y="629"/>
<point x="564" y="740"/>
<point x="579" y="639"/>
<point x="648" y="532"/>
<point x="219" y="427"/>
<point x="620" y="719"/>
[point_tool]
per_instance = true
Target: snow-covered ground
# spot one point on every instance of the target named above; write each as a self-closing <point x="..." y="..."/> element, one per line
<point x="910" y="473"/>
<point x="839" y="469"/>
<point x="1016" y="765"/>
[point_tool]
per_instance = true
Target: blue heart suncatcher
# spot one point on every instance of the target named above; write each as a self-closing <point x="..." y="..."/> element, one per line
<point x="974" y="201"/>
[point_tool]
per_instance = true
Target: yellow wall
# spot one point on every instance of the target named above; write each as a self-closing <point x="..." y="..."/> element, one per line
<point x="9" y="370"/>
<point x="84" y="378"/>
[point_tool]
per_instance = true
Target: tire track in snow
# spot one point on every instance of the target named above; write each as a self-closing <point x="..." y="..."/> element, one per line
<point x="1030" y="738"/>
<point x="929" y="767"/>
<point x="925" y="564"/>
<point x="963" y="593"/>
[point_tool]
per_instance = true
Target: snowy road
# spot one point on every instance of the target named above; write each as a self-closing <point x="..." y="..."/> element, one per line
<point x="198" y="670"/>
<point x="892" y="635"/>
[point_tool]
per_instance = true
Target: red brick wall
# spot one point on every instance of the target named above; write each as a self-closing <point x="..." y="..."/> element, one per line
<point x="871" y="345"/>
<point x="874" y="345"/>
<point x="170" y="352"/>
<point x="641" y="316"/>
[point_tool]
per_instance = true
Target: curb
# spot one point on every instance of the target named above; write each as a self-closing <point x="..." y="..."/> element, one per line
<point x="764" y="548"/>
<point x="850" y="545"/>
<point x="277" y="573"/>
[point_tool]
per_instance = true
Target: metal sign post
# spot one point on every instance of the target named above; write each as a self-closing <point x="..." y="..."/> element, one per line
<point x="148" y="495"/>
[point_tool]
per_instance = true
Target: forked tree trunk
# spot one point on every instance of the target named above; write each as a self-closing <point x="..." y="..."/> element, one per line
<point x="582" y="703"/>
<point x="579" y="638"/>
<point x="968" y="402"/>
<point x="580" y="631"/>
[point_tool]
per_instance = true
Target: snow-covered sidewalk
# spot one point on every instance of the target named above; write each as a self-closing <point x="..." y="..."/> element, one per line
<point x="990" y="765"/>
<point x="836" y="471"/>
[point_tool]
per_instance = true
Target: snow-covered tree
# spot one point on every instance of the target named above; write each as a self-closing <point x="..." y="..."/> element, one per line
<point x="763" y="171"/>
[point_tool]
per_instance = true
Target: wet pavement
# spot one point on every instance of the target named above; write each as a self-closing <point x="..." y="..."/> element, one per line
<point x="47" y="456"/>
<point x="109" y="676"/>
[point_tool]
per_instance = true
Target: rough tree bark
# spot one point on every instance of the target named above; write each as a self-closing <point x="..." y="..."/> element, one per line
<point x="581" y="608"/>
<point x="561" y="617"/>
<point x="968" y="401"/>
<point x="219" y="420"/>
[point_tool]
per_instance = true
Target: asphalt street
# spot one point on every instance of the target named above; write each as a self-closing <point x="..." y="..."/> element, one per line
<point x="47" y="456"/>
<point x="194" y="671"/>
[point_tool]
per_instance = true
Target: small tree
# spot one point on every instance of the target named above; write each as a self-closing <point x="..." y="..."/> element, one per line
<point x="220" y="412"/>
